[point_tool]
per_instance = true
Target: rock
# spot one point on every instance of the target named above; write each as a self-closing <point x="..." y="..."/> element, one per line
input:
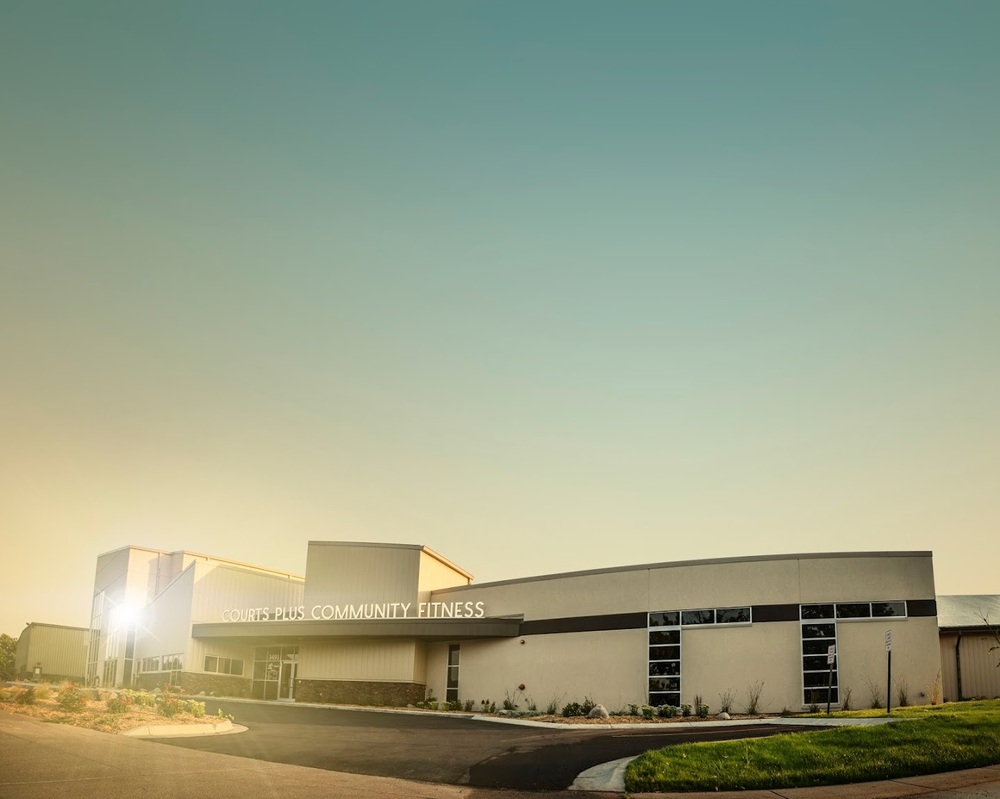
<point x="724" y="716"/>
<point x="598" y="712"/>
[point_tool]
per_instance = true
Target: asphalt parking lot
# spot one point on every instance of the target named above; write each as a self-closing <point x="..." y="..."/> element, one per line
<point x="430" y="748"/>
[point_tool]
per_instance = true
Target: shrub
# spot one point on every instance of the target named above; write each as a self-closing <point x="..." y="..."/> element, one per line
<point x="169" y="705"/>
<point x="552" y="707"/>
<point x="845" y="699"/>
<point x="26" y="697"/>
<point x="633" y="710"/>
<point x="588" y="705"/>
<point x="647" y="712"/>
<point x="933" y="690"/>
<point x="874" y="693"/>
<point x="902" y="693"/>
<point x="71" y="699"/>
<point x="572" y="709"/>
<point x="667" y="711"/>
<point x="754" y="690"/>
<point x="121" y="702"/>
<point x="703" y="711"/>
<point x="685" y="710"/>
<point x="195" y="708"/>
<point x="726" y="700"/>
<point x="467" y="706"/>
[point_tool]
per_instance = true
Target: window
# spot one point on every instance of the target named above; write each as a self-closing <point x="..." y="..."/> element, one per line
<point x="692" y="617"/>
<point x="173" y="662"/>
<point x="664" y="643"/>
<point x="150" y="664"/>
<point x="451" y="689"/>
<point x="819" y="634"/>
<point x="817" y="612"/>
<point x="883" y="609"/>
<point x="854" y="610"/>
<point x="224" y="665"/>
<point x="732" y="616"/>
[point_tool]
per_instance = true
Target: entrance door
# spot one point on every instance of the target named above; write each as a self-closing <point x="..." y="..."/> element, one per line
<point x="286" y="681"/>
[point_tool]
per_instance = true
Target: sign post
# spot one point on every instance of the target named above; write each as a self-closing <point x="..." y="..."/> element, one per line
<point x="888" y="659"/>
<point x="831" y="656"/>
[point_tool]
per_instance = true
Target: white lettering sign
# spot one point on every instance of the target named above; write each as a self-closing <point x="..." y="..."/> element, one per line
<point x="363" y="612"/>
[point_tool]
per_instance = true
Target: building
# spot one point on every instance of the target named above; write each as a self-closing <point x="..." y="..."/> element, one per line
<point x="51" y="652"/>
<point x="970" y="646"/>
<point x="392" y="624"/>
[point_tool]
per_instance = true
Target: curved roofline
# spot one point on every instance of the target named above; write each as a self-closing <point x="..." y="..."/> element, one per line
<point x="373" y="544"/>
<point x="699" y="562"/>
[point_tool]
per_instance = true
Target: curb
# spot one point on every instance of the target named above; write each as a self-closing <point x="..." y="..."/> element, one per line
<point x="172" y="730"/>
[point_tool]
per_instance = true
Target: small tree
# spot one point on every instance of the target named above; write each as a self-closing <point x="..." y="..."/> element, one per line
<point x="994" y="631"/>
<point x="8" y="649"/>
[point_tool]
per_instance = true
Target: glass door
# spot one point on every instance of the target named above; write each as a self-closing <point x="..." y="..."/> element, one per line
<point x="286" y="682"/>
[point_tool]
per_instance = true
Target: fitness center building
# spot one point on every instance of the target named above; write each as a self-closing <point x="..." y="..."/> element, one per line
<point x="390" y="624"/>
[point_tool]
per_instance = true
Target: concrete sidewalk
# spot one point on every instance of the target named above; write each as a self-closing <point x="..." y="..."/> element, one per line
<point x="39" y="760"/>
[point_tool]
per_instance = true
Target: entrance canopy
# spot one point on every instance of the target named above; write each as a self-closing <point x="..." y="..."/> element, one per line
<point x="314" y="629"/>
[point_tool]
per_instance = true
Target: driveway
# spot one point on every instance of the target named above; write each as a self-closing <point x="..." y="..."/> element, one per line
<point x="438" y="748"/>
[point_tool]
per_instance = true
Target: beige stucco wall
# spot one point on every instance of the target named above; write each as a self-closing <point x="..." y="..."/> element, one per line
<point x="564" y="668"/>
<point x="863" y="663"/>
<point x="715" y="659"/>
<point x="682" y="586"/>
<point x="761" y="657"/>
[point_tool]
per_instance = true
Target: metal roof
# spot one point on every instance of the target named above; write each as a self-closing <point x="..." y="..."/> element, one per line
<point x="968" y="611"/>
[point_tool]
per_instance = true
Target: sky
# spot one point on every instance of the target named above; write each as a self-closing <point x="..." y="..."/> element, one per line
<point x="544" y="286"/>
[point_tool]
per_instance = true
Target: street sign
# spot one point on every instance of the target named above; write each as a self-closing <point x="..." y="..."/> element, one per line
<point x="831" y="653"/>
<point x="888" y="640"/>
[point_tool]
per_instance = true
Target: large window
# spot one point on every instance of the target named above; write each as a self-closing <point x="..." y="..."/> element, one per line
<point x="451" y="689"/>
<point x="664" y="636"/>
<point x="819" y="640"/>
<point x="219" y="665"/>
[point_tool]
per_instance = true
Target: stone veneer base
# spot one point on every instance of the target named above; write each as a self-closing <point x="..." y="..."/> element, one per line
<point x="359" y="692"/>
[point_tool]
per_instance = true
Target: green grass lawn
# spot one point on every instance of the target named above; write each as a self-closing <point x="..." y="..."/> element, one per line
<point x="925" y="740"/>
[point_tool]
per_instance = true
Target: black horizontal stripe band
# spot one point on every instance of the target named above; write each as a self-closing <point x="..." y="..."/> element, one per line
<point x="921" y="607"/>
<point x="637" y="621"/>
<point x="586" y="624"/>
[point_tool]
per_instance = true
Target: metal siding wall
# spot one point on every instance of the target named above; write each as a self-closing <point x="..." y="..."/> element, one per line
<point x="61" y="651"/>
<point x="434" y="575"/>
<point x="391" y="661"/>
<point x="980" y="675"/>
<point x="949" y="677"/>
<point x="341" y="574"/>
<point x="220" y="587"/>
<point x="166" y="621"/>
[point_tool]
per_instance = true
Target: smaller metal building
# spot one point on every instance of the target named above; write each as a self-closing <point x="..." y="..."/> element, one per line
<point x="51" y="652"/>
<point x="970" y="646"/>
